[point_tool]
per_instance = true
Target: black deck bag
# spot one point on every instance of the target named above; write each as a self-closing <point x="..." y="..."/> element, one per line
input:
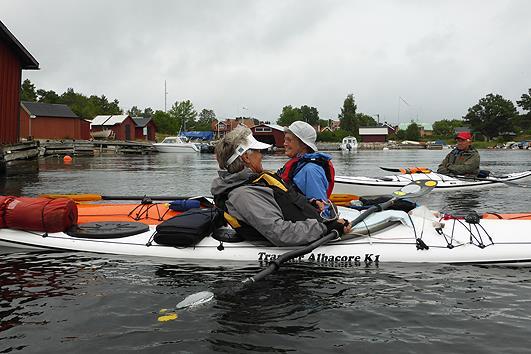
<point x="188" y="228"/>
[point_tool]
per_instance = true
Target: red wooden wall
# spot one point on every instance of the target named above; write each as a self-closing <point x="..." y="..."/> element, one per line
<point x="53" y="127"/>
<point x="139" y="132"/>
<point x="10" y="77"/>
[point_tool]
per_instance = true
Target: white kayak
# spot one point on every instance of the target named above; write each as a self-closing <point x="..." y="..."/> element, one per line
<point x="375" y="186"/>
<point x="384" y="237"/>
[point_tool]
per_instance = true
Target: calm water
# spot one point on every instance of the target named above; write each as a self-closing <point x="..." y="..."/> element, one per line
<point x="73" y="302"/>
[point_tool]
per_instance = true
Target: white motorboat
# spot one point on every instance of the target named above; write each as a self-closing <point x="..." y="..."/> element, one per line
<point x="175" y="144"/>
<point x="349" y="143"/>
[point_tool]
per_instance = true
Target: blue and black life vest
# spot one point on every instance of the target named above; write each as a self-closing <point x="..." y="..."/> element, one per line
<point x="293" y="166"/>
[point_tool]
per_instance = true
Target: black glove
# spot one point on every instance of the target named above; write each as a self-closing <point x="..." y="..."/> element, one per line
<point x="335" y="225"/>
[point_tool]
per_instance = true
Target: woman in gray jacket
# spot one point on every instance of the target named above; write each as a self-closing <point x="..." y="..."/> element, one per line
<point x="259" y="202"/>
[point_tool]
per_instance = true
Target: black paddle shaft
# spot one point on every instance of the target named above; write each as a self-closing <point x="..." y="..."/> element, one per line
<point x="275" y="264"/>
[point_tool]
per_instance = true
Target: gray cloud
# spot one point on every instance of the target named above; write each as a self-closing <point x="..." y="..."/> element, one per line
<point x="442" y="57"/>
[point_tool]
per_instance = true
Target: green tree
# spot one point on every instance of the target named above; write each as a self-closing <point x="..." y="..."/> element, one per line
<point x="204" y="122"/>
<point x="289" y="115"/>
<point x="347" y="117"/>
<point x="365" y="120"/>
<point x="400" y="135"/>
<point x="324" y="123"/>
<point x="148" y="112"/>
<point x="336" y="136"/>
<point x="165" y="123"/>
<point x="446" y="127"/>
<point x="27" y="91"/>
<point x="48" y="96"/>
<point x="523" y="121"/>
<point x="83" y="106"/>
<point x="137" y="112"/>
<point x="525" y="101"/>
<point x="310" y="115"/>
<point x="412" y="132"/>
<point x="491" y="116"/>
<point x="184" y="115"/>
<point x="134" y="112"/>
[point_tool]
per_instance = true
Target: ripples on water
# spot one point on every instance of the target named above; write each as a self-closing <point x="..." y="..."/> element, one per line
<point x="87" y="303"/>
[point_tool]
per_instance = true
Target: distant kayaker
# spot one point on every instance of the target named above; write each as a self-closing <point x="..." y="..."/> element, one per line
<point x="259" y="204"/>
<point x="310" y="171"/>
<point x="463" y="159"/>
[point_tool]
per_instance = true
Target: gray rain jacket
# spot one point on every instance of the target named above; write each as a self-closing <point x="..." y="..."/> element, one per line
<point x="256" y="206"/>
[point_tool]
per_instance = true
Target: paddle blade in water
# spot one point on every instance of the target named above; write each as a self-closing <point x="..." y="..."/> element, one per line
<point x="195" y="299"/>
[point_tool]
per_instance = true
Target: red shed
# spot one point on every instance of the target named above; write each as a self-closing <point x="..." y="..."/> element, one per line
<point x="269" y="134"/>
<point x="51" y="121"/>
<point x="145" y="128"/>
<point x="13" y="59"/>
<point x="122" y="126"/>
<point x="374" y="134"/>
<point x="220" y="128"/>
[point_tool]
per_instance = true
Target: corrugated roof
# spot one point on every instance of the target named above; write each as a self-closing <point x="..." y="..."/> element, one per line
<point x="141" y="121"/>
<point x="116" y="119"/>
<point x="99" y="120"/>
<point x="48" y="109"/>
<point x="108" y="120"/>
<point x="27" y="60"/>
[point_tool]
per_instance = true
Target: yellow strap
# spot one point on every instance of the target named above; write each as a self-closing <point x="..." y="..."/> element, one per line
<point x="343" y="197"/>
<point x="272" y="181"/>
<point x="231" y="220"/>
<point x="76" y="197"/>
<point x="411" y="170"/>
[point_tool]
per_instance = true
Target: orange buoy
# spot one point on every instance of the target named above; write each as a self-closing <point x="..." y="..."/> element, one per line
<point x="67" y="159"/>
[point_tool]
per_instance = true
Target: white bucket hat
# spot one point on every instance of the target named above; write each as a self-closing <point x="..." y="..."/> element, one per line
<point x="305" y="133"/>
<point x="250" y="143"/>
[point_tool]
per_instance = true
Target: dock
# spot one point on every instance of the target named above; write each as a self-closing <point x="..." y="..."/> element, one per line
<point x="11" y="155"/>
<point x="90" y="148"/>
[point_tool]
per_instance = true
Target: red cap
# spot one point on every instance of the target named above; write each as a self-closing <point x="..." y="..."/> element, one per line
<point x="464" y="136"/>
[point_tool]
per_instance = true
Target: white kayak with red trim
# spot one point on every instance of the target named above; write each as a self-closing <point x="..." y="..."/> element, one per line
<point x="384" y="237"/>
<point x="376" y="186"/>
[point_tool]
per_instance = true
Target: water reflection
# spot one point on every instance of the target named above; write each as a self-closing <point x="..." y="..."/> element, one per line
<point x="30" y="279"/>
<point x="17" y="172"/>
<point x="461" y="202"/>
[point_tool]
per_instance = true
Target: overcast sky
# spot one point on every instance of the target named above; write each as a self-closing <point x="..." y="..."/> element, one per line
<point x="403" y="60"/>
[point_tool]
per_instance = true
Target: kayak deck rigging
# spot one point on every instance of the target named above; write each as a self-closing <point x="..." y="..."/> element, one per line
<point x="425" y="238"/>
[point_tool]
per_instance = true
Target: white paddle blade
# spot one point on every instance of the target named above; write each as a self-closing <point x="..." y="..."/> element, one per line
<point x="195" y="299"/>
<point x="415" y="189"/>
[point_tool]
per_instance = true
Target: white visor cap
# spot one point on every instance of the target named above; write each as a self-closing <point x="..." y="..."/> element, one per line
<point x="250" y="144"/>
<point x="305" y="133"/>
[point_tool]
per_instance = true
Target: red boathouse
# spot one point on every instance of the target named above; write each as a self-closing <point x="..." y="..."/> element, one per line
<point x="13" y="59"/>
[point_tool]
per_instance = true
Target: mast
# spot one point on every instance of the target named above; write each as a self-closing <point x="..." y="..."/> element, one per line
<point x="165" y="97"/>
